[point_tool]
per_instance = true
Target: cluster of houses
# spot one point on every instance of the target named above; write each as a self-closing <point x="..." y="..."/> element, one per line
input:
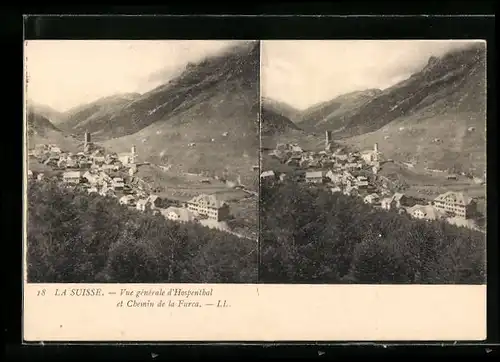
<point x="114" y="175"/>
<point x="338" y="160"/>
<point x="53" y="156"/>
<point x="197" y="209"/>
<point x="341" y="170"/>
<point x="448" y="206"/>
<point x="355" y="174"/>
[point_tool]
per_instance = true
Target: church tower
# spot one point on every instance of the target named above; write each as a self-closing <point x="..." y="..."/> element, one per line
<point x="133" y="154"/>
<point x="328" y="138"/>
<point x="87" y="142"/>
<point x="375" y="157"/>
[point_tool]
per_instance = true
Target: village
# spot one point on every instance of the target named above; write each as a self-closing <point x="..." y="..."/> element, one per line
<point x="356" y="173"/>
<point x="113" y="175"/>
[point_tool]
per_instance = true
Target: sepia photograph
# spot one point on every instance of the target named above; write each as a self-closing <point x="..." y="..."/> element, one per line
<point x="141" y="161"/>
<point x="373" y="162"/>
<point x="310" y="188"/>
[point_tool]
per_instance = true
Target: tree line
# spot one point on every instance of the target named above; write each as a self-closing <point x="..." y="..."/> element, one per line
<point x="75" y="237"/>
<point x="309" y="235"/>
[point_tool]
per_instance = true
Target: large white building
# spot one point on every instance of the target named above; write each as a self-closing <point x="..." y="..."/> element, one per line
<point x="209" y="206"/>
<point x="456" y="203"/>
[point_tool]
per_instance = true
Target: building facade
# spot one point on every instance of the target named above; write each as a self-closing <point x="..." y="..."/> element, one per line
<point x="456" y="203"/>
<point x="128" y="158"/>
<point x="316" y="177"/>
<point x="72" y="177"/>
<point x="209" y="206"/>
<point x="372" y="157"/>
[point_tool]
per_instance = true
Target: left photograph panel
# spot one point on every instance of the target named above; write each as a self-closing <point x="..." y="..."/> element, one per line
<point x="141" y="161"/>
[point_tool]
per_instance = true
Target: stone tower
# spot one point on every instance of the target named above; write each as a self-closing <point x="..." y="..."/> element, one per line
<point x="87" y="142"/>
<point x="328" y="138"/>
<point x="133" y="154"/>
<point x="375" y="157"/>
<point x="87" y="137"/>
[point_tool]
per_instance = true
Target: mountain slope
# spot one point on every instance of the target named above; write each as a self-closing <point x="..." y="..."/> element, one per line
<point x="452" y="84"/>
<point x="331" y="114"/>
<point x="40" y="130"/>
<point x="91" y="117"/>
<point x="277" y="128"/>
<point x="207" y="119"/>
<point x="48" y="112"/>
<point x="282" y="108"/>
<point x="273" y="122"/>
<point x="38" y="124"/>
<point x="436" y="118"/>
<point x="194" y="85"/>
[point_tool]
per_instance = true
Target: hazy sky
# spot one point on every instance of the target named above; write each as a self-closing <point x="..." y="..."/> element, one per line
<point x="65" y="73"/>
<point x="304" y="72"/>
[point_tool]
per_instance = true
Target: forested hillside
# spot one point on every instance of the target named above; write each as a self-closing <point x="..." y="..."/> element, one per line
<point x="308" y="235"/>
<point x="78" y="238"/>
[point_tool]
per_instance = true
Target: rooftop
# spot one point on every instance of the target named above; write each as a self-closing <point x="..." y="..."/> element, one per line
<point x="152" y="198"/>
<point x="182" y="213"/>
<point x="209" y="200"/>
<point x="315" y="173"/>
<point x="429" y="211"/>
<point x="457" y="197"/>
<point x="126" y="197"/>
<point x="72" y="174"/>
<point x="397" y="196"/>
<point x="267" y="174"/>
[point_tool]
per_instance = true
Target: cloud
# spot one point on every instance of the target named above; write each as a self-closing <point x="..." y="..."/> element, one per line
<point x="66" y="73"/>
<point x="306" y="72"/>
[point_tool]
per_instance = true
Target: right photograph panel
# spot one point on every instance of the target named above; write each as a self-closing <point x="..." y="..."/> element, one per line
<point x="373" y="162"/>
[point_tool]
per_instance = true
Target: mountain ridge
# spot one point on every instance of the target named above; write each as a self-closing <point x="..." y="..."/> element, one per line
<point x="454" y="81"/>
<point x="274" y="122"/>
<point x="282" y="108"/>
<point x="205" y="120"/>
<point x="38" y="123"/>
<point x="166" y="100"/>
<point x="46" y="111"/>
<point x="40" y="130"/>
<point x="319" y="115"/>
<point x="442" y="122"/>
<point x="84" y="117"/>
<point x="436" y="117"/>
